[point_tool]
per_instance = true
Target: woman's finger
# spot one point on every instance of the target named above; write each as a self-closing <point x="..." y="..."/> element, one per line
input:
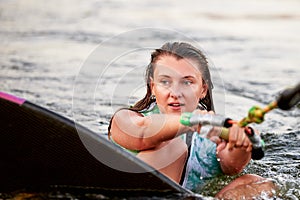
<point x="221" y="146"/>
<point x="196" y="128"/>
<point x="216" y="139"/>
<point x="249" y="148"/>
<point x="240" y="137"/>
<point x="211" y="112"/>
<point x="201" y="112"/>
<point x="233" y="134"/>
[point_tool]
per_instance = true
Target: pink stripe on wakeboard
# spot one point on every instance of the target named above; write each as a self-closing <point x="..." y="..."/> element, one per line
<point x="12" y="98"/>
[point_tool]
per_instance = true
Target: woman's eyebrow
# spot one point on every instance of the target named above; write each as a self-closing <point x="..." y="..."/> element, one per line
<point x="185" y="77"/>
<point x="164" y="76"/>
<point x="189" y="76"/>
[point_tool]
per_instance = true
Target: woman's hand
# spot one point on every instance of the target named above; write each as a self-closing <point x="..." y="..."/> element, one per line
<point x="238" y="139"/>
<point x="235" y="153"/>
<point x="237" y="135"/>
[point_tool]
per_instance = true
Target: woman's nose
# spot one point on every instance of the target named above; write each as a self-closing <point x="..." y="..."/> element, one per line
<point x="175" y="91"/>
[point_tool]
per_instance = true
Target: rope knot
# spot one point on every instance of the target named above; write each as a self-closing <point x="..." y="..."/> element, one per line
<point x="256" y="114"/>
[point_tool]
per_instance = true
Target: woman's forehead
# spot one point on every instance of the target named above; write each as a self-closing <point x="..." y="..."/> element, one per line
<point x="171" y="66"/>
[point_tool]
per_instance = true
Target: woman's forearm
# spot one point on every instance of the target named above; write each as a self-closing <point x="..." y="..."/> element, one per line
<point x="159" y="128"/>
<point x="140" y="133"/>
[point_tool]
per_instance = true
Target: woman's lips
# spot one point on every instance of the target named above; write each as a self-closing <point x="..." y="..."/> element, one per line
<point x="176" y="106"/>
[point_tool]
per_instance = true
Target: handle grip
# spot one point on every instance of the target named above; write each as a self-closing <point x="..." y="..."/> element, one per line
<point x="190" y="119"/>
<point x="257" y="143"/>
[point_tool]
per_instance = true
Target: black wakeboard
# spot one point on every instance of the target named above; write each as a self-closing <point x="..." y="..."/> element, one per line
<point x="41" y="150"/>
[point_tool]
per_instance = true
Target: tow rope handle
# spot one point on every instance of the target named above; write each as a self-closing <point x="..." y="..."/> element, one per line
<point x="286" y="100"/>
<point x="190" y="119"/>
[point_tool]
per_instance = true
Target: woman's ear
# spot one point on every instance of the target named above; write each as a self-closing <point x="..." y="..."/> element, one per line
<point x="204" y="91"/>
<point x="152" y="86"/>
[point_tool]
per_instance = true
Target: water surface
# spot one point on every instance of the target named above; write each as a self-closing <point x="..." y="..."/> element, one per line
<point x="253" y="46"/>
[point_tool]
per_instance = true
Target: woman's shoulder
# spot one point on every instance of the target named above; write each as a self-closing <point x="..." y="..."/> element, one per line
<point x="130" y="112"/>
<point x="124" y="113"/>
<point x="151" y="109"/>
<point x="123" y="117"/>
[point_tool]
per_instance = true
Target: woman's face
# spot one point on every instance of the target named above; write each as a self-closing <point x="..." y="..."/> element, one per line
<point x="177" y="85"/>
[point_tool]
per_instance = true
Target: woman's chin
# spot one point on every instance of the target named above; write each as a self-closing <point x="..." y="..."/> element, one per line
<point x="176" y="110"/>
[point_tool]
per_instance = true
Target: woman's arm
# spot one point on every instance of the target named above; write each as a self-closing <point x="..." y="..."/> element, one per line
<point x="134" y="131"/>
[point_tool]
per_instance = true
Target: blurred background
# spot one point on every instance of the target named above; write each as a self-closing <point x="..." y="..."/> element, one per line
<point x="253" y="47"/>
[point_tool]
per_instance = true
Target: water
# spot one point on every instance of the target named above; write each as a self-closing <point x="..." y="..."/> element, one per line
<point x="254" y="47"/>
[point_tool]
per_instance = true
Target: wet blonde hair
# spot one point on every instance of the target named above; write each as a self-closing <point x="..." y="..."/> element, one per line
<point x="180" y="51"/>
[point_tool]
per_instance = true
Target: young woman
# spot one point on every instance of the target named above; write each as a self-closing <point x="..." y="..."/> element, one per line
<point x="178" y="80"/>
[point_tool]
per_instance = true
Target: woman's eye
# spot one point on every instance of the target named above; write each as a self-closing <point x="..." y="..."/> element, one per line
<point x="187" y="82"/>
<point x="165" y="82"/>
